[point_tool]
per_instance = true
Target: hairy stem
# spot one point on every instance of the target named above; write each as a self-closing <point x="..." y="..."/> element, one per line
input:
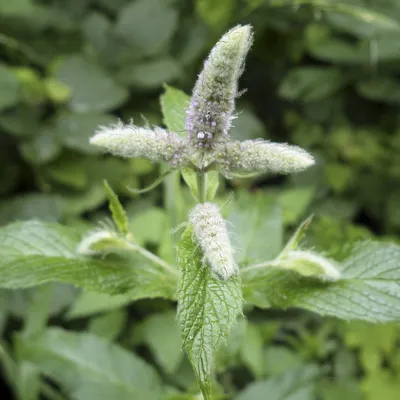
<point x="262" y="265"/>
<point x="202" y="186"/>
<point x="152" y="257"/>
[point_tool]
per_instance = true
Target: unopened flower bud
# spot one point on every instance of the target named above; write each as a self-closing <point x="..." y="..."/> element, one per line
<point x="130" y="141"/>
<point x="212" y="235"/>
<point x="309" y="264"/>
<point x="99" y="242"/>
<point x="258" y="156"/>
<point x="213" y="101"/>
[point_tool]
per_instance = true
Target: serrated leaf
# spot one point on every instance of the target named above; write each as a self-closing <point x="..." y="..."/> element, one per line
<point x="118" y="213"/>
<point x="296" y="384"/>
<point x="90" y="367"/>
<point x="257" y="226"/>
<point x="173" y="105"/>
<point x="207" y="309"/>
<point x="367" y="290"/>
<point x="34" y="253"/>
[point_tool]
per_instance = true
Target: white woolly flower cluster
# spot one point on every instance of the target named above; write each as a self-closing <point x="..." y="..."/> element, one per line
<point x="131" y="141"/>
<point x="213" y="101"/>
<point x="95" y="242"/>
<point x="258" y="156"/>
<point x="308" y="263"/>
<point x="212" y="235"/>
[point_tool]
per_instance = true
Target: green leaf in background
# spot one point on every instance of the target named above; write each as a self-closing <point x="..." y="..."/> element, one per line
<point x="296" y="384"/>
<point x="310" y="84"/>
<point x="148" y="25"/>
<point x="92" y="88"/>
<point x="35" y="205"/>
<point x="367" y="289"/>
<point x="207" y="309"/>
<point x="173" y="105"/>
<point x="34" y="253"/>
<point x="9" y="88"/>
<point x="294" y="202"/>
<point x="254" y="217"/>
<point x="161" y="334"/>
<point x="386" y="89"/>
<point x="216" y="13"/>
<point x="75" y="129"/>
<point x="108" y="325"/>
<point x="89" y="367"/>
<point x="118" y="213"/>
<point x="42" y="148"/>
<point x="150" y="74"/>
<point x="89" y="303"/>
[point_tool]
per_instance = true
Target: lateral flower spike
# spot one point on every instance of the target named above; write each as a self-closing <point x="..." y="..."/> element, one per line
<point x="100" y="241"/>
<point x="310" y="264"/>
<point x="259" y="156"/>
<point x="212" y="104"/>
<point x="212" y="235"/>
<point x="130" y="141"/>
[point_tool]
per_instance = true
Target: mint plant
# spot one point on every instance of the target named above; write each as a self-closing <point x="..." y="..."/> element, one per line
<point x="211" y="279"/>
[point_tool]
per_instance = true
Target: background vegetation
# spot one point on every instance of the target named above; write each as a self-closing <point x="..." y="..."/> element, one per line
<point x="322" y="74"/>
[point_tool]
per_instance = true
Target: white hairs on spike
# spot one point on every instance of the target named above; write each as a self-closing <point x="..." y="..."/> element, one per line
<point x="212" y="235"/>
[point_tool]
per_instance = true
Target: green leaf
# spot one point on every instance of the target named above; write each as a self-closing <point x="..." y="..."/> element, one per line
<point x="150" y="74"/>
<point x="109" y="325"/>
<point x="118" y="213"/>
<point x="279" y="359"/>
<point x="148" y="25"/>
<point x="294" y="202"/>
<point x="252" y="350"/>
<point x="75" y="129"/>
<point x="92" y="88"/>
<point x="310" y="84"/>
<point x="207" y="309"/>
<point x="367" y="289"/>
<point x="161" y="334"/>
<point x="385" y="89"/>
<point x="366" y="14"/>
<point x="149" y="225"/>
<point x="10" y="88"/>
<point x="173" y="104"/>
<point x="34" y="253"/>
<point x="298" y="383"/>
<point x="216" y="13"/>
<point x="257" y="226"/>
<point x="89" y="303"/>
<point x="90" y="367"/>
<point x="42" y="148"/>
<point x="34" y="205"/>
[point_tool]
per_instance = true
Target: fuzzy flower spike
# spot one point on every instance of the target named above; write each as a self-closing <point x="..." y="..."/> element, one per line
<point x="213" y="100"/>
<point x="130" y="141"/>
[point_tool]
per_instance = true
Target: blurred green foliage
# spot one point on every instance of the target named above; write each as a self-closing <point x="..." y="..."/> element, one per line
<point x="322" y="74"/>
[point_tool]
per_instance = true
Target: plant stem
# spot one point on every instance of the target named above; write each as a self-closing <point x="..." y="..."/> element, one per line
<point x="152" y="257"/>
<point x="202" y="186"/>
<point x="254" y="267"/>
